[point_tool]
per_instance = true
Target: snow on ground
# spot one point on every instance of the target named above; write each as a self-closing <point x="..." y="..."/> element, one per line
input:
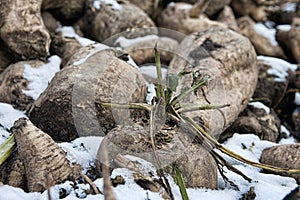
<point x="269" y="33"/>
<point x="113" y="3"/>
<point x="284" y="27"/>
<point x="39" y="77"/>
<point x="96" y="48"/>
<point x="279" y="67"/>
<point x="297" y="98"/>
<point x="289" y="138"/>
<point x="8" y="115"/>
<point x="69" y="32"/>
<point x="289" y="7"/>
<point x="124" y="42"/>
<point x="150" y="70"/>
<point x="260" y="105"/>
<point x="83" y="150"/>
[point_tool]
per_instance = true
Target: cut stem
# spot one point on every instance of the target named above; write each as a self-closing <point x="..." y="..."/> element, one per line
<point x="191" y="107"/>
<point x="160" y="89"/>
<point x="141" y="106"/>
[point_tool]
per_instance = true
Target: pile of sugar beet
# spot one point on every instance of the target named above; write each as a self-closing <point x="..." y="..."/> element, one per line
<point x="215" y="38"/>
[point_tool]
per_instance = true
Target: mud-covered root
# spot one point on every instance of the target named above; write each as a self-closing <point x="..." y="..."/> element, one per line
<point x="104" y="20"/>
<point x="45" y="162"/>
<point x="186" y="18"/>
<point x="142" y="52"/>
<point x="229" y="60"/>
<point x="22" y="28"/>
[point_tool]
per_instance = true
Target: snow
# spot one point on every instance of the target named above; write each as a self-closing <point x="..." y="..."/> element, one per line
<point x="185" y="6"/>
<point x="150" y="70"/>
<point x="124" y="42"/>
<point x="132" y="63"/>
<point x="289" y="7"/>
<point x="279" y="67"/>
<point x="68" y="31"/>
<point x="266" y="186"/>
<point x="97" y="47"/>
<point x="83" y="150"/>
<point x="8" y="115"/>
<point x="260" y="105"/>
<point x="290" y="139"/>
<point x="151" y="93"/>
<point x="113" y="3"/>
<point x="284" y="27"/>
<point x="297" y="98"/>
<point x="40" y="77"/>
<point x="268" y="33"/>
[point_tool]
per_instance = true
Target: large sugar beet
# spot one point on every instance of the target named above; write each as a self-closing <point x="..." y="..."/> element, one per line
<point x="104" y="20"/>
<point x="230" y="61"/>
<point x="22" y="28"/>
<point x="70" y="106"/>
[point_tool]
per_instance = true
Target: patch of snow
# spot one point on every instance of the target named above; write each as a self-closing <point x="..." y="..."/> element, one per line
<point x="40" y="77"/>
<point x="247" y="145"/>
<point x="113" y="3"/>
<point x="68" y="31"/>
<point x="266" y="186"/>
<point x="279" y="67"/>
<point x="83" y="150"/>
<point x="269" y="24"/>
<point x="8" y="115"/>
<point x="266" y="32"/>
<point x="151" y="93"/>
<point x="260" y="105"/>
<point x="97" y="47"/>
<point x="124" y="42"/>
<point x="297" y="98"/>
<point x="290" y="139"/>
<point x="131" y="190"/>
<point x="284" y="27"/>
<point x="132" y="63"/>
<point x="185" y="6"/>
<point x="171" y="4"/>
<point x="150" y="70"/>
<point x="289" y="7"/>
<point x="8" y="193"/>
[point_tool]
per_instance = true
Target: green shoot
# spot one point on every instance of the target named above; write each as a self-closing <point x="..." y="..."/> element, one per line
<point x="180" y="183"/>
<point x="7" y="148"/>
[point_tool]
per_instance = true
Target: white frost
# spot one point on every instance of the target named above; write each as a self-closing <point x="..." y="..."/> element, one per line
<point x="185" y="6"/>
<point x="83" y="150"/>
<point x="68" y="31"/>
<point x="124" y="42"/>
<point x="132" y="63"/>
<point x="284" y="27"/>
<point x="150" y="70"/>
<point x="8" y="115"/>
<point x="113" y="3"/>
<point x="279" y="67"/>
<point x="266" y="32"/>
<point x="266" y="186"/>
<point x="289" y="7"/>
<point x="151" y="93"/>
<point x="40" y="77"/>
<point x="260" y="106"/>
<point x="97" y="47"/>
<point x="297" y="98"/>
